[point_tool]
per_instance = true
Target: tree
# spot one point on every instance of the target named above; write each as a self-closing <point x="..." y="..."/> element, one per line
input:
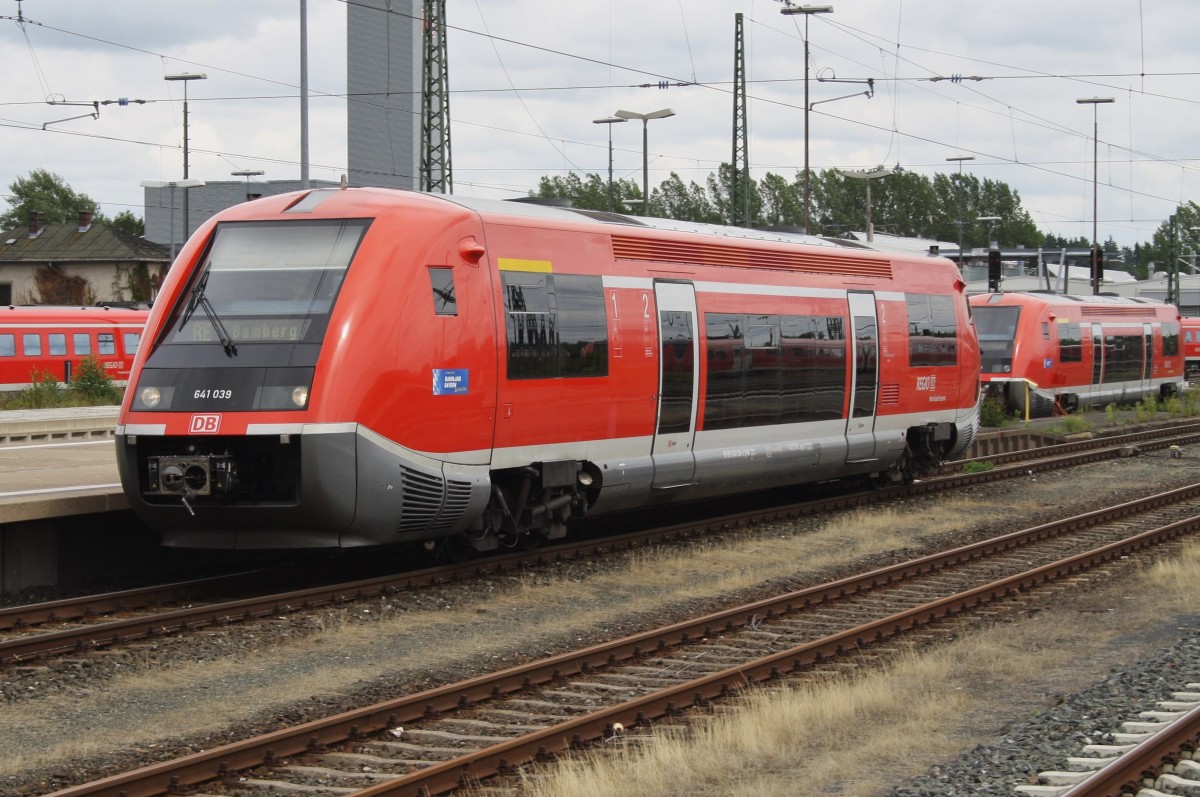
<point x="125" y="221"/>
<point x="589" y="192"/>
<point x="674" y="200"/>
<point x="48" y="194"/>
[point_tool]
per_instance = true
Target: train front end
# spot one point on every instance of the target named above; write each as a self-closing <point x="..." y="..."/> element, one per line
<point x="241" y="427"/>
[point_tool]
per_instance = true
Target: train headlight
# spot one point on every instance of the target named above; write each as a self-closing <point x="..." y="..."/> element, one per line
<point x="300" y="396"/>
<point x="153" y="397"/>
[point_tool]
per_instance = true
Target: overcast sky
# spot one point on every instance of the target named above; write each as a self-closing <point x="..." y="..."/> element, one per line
<point x="529" y="76"/>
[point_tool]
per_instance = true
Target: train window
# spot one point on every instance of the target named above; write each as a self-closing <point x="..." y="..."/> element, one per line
<point x="31" y="344"/>
<point x="82" y="343"/>
<point x="796" y="373"/>
<point x="8" y="345"/>
<point x="1170" y="338"/>
<point x="678" y="369"/>
<point x="556" y="325"/>
<point x="932" y="330"/>
<point x="582" y="326"/>
<point x="444" y="300"/>
<point x="58" y="344"/>
<point x="1070" y="343"/>
<point x="108" y="343"/>
<point x="1122" y="358"/>
<point x="131" y="341"/>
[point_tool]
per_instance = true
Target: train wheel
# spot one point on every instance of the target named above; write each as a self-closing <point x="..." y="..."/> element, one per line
<point x="902" y="472"/>
<point x="456" y="549"/>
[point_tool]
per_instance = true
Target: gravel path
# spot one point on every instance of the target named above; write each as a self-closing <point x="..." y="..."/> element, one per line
<point x="75" y="719"/>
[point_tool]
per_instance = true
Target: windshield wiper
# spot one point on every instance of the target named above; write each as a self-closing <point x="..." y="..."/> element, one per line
<point x="200" y="299"/>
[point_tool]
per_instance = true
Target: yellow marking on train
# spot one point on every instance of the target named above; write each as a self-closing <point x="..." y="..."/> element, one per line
<point x="517" y="264"/>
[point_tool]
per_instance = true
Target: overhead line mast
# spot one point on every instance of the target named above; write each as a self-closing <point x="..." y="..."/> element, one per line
<point x="739" y="197"/>
<point x="436" y="172"/>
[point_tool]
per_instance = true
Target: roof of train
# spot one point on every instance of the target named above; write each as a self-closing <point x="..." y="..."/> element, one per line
<point x="1046" y="297"/>
<point x="43" y="312"/>
<point x="560" y="212"/>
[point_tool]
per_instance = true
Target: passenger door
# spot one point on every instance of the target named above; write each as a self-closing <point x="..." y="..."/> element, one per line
<point x="678" y="385"/>
<point x="864" y="377"/>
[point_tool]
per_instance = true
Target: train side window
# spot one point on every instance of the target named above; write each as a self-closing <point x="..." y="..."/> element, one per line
<point x="1070" y="343"/>
<point x="58" y="344"/>
<point x="131" y="340"/>
<point x="1170" y="338"/>
<point x="31" y="344"/>
<point x="82" y="343"/>
<point x="765" y="370"/>
<point x="582" y="326"/>
<point x="530" y="326"/>
<point x="556" y="325"/>
<point x="108" y="343"/>
<point x="444" y="300"/>
<point x="8" y="345"/>
<point x="932" y="330"/>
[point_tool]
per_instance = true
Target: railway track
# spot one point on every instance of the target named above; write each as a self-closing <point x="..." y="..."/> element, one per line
<point x="77" y="625"/>
<point x="443" y="739"/>
<point x="1152" y="754"/>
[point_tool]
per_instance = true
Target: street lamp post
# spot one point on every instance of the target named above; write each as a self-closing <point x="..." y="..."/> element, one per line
<point x="988" y="220"/>
<point x="610" y="121"/>
<point x="645" y="117"/>
<point x="807" y="11"/>
<point x="248" y="173"/>
<point x="173" y="184"/>
<point x="1094" y="101"/>
<point x="961" y="211"/>
<point x="868" y="176"/>
<point x="185" y="77"/>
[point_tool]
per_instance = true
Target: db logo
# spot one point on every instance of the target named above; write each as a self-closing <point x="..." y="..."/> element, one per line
<point x="205" y="424"/>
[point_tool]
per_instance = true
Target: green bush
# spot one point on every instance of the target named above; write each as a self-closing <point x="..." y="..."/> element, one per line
<point x="1073" y="424"/>
<point x="43" y="392"/>
<point x="92" y="384"/>
<point x="992" y="412"/>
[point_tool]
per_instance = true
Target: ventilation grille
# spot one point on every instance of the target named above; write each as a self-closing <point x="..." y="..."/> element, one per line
<point x="1120" y="312"/>
<point x="627" y="247"/>
<point x="889" y="394"/>
<point x="430" y="503"/>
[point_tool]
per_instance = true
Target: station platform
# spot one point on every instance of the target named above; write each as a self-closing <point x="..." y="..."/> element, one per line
<point x="56" y="463"/>
<point x="61" y="502"/>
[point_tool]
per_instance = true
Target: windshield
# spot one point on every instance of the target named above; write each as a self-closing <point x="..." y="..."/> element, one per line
<point x="267" y="282"/>
<point x="997" y="327"/>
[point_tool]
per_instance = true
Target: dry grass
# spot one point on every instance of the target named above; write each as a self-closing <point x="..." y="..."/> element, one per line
<point x="920" y="710"/>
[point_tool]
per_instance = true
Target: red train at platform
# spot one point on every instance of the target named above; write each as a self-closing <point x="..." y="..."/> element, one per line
<point x="40" y="340"/>
<point x="370" y="366"/>
<point x="1047" y="353"/>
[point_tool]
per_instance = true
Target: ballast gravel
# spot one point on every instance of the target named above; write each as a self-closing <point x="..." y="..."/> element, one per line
<point x="1045" y="742"/>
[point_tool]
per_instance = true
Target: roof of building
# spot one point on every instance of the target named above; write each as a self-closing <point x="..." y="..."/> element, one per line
<point x="73" y="243"/>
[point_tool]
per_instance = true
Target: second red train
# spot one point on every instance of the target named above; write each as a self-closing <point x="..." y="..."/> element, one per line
<point x="1046" y="353"/>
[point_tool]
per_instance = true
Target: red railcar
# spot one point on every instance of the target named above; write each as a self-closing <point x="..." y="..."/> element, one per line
<point x="43" y="340"/>
<point x="1191" y="345"/>
<point x="1046" y="352"/>
<point x="368" y="366"/>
